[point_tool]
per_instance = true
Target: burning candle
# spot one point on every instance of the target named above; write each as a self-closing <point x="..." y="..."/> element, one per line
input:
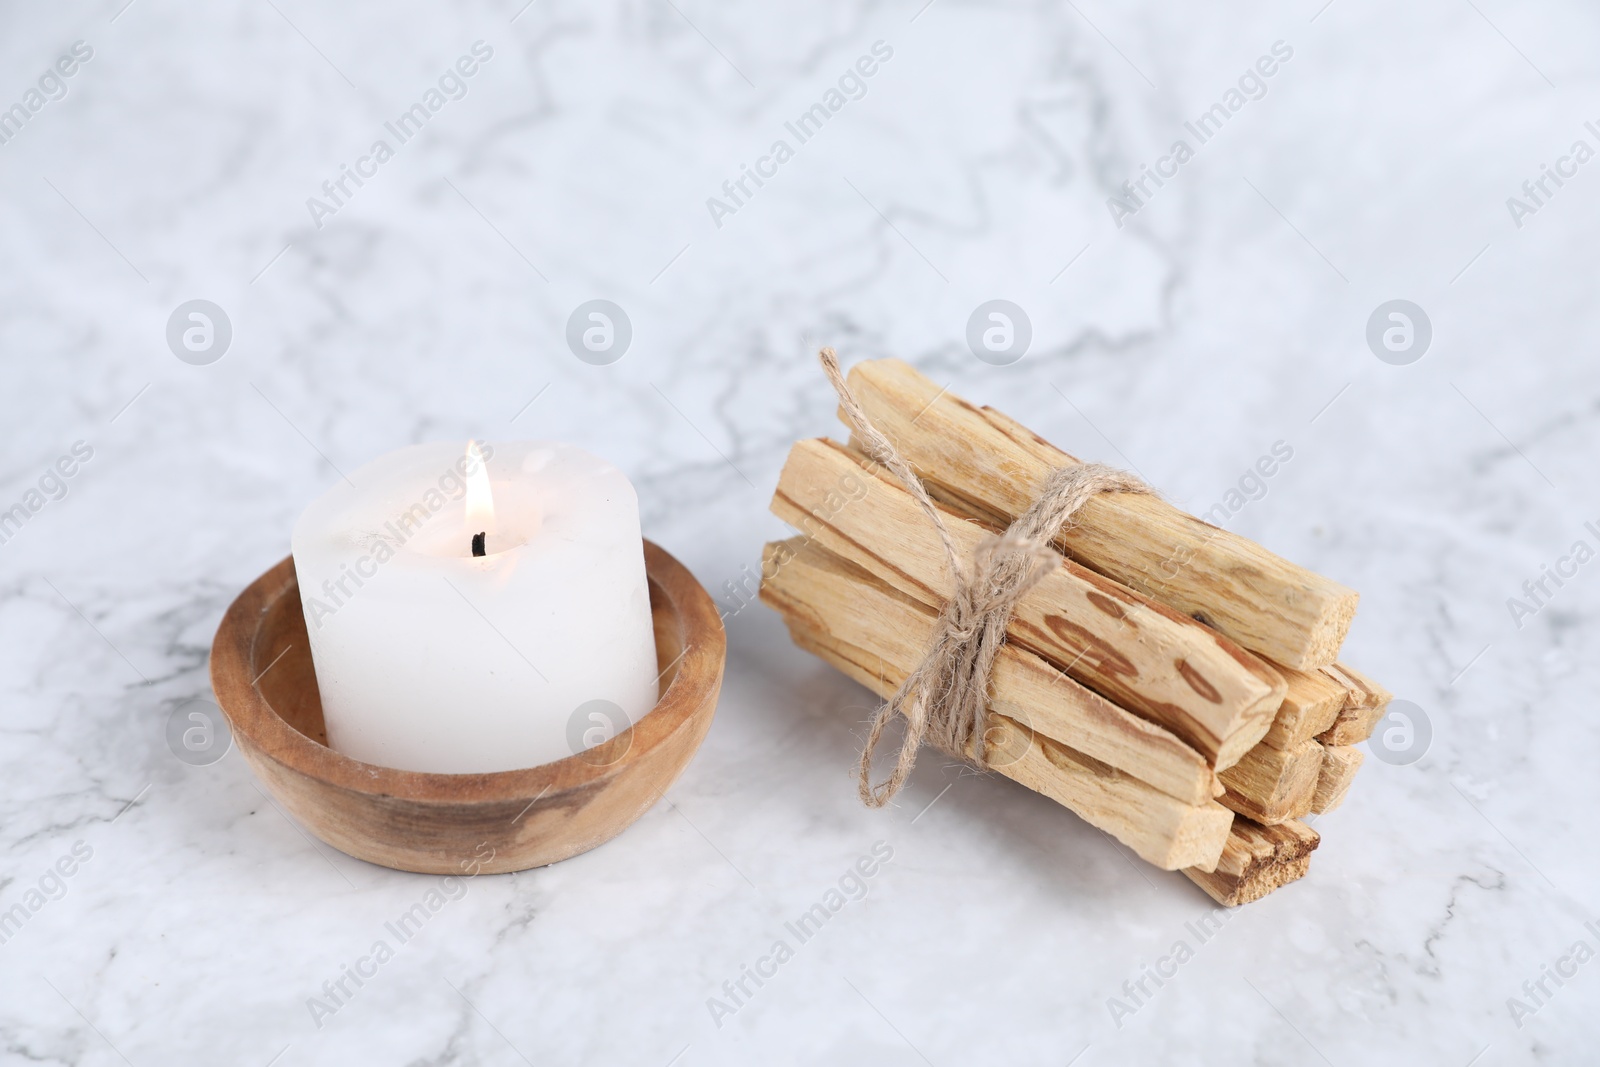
<point x="477" y="612"/>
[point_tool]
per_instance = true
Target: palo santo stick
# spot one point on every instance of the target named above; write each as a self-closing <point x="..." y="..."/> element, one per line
<point x="1256" y="860"/>
<point x="1137" y="652"/>
<point x="1162" y="830"/>
<point x="832" y="596"/>
<point x="1365" y="701"/>
<point x="1266" y="604"/>
<point x="1309" y="707"/>
<point x="1159" y="829"/>
<point x="1272" y="785"/>
<point x="1339" y="766"/>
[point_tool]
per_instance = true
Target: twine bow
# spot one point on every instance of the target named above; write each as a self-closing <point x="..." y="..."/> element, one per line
<point x="945" y="698"/>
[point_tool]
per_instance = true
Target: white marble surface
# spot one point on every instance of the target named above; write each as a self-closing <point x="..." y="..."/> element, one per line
<point x="1225" y="316"/>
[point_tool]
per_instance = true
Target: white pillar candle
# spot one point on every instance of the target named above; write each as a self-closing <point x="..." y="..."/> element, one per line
<point x="430" y="658"/>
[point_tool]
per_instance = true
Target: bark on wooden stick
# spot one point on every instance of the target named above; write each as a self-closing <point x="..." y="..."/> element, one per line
<point x="1161" y="829"/>
<point x="833" y="596"/>
<point x="1256" y="860"/>
<point x="1266" y="604"/>
<point x="1139" y="653"/>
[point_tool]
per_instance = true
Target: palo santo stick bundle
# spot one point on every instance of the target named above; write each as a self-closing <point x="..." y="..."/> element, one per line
<point x="1161" y="674"/>
<point x="1135" y="651"/>
<point x="1266" y="604"/>
<point x="826" y="594"/>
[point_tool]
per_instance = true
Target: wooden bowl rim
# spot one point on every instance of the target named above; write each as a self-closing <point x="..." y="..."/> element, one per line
<point x="256" y="725"/>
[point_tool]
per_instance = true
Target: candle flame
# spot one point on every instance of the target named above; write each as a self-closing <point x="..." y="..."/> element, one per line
<point x="480" y="497"/>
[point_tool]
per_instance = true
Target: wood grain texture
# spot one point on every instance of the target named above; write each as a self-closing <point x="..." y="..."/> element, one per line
<point x="442" y="823"/>
<point x="1273" y="785"/>
<point x="1263" y="602"/>
<point x="1161" y="829"/>
<point x="1353" y="726"/>
<point x="1361" y="690"/>
<point x="1138" y="653"/>
<point x="1339" y="766"/>
<point x="831" y="595"/>
<point x="1256" y="860"/>
<point x="1309" y="707"/>
<point x="1365" y="701"/>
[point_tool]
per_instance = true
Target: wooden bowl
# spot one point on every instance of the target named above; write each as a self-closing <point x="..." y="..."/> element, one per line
<point x="460" y="823"/>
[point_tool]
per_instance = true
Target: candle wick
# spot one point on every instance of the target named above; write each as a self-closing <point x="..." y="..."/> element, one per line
<point x="478" y="546"/>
